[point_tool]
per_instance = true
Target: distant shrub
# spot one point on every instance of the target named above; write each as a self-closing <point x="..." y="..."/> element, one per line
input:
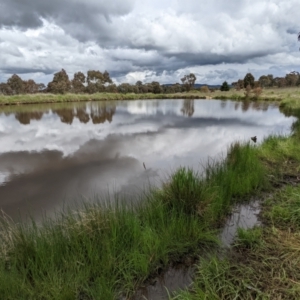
<point x="257" y="92"/>
<point x="204" y="89"/>
<point x="248" y="91"/>
<point x="225" y="87"/>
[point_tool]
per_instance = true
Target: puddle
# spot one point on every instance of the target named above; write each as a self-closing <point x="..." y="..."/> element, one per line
<point x="174" y="279"/>
<point x="243" y="216"/>
<point x="181" y="277"/>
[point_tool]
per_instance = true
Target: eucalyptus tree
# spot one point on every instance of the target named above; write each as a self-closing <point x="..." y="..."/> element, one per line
<point x="292" y="78"/>
<point x="5" y="89"/>
<point x="188" y="81"/>
<point x="96" y="81"/>
<point x="78" y="82"/>
<point x="30" y="86"/>
<point x="60" y="83"/>
<point x="16" y="84"/>
<point x="249" y="80"/>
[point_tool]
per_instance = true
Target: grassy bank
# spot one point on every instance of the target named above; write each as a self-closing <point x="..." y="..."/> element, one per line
<point x="264" y="262"/>
<point x="61" y="98"/>
<point x="268" y="94"/>
<point x="102" y="252"/>
<point x="274" y="94"/>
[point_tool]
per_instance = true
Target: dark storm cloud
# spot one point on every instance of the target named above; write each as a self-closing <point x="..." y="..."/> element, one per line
<point x="293" y="31"/>
<point x="13" y="14"/>
<point x="163" y="61"/>
<point x="28" y="13"/>
<point x="157" y="66"/>
<point x="83" y="19"/>
<point x="16" y="70"/>
<point x="172" y="62"/>
<point x="208" y="58"/>
<point x="220" y="75"/>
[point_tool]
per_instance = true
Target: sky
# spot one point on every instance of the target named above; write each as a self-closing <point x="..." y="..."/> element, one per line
<point x="149" y="40"/>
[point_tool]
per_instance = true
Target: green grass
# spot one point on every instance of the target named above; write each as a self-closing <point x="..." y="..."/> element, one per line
<point x="60" y="98"/>
<point x="283" y="209"/>
<point x="97" y="253"/>
<point x="263" y="264"/>
<point x="211" y="194"/>
<point x="284" y="95"/>
<point x="270" y="270"/>
<point x="249" y="238"/>
<point x="100" y="252"/>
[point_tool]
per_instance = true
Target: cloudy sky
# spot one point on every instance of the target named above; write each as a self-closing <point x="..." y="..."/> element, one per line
<point x="150" y="39"/>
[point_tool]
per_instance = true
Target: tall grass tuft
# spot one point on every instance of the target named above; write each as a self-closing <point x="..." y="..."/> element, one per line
<point x="99" y="251"/>
<point x="249" y="238"/>
<point x="229" y="182"/>
<point x="184" y="191"/>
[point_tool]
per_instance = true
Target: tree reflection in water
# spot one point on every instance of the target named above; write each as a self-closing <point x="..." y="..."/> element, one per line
<point x="246" y="105"/>
<point x="188" y="107"/>
<point x="97" y="112"/>
<point x="25" y="118"/>
<point x="66" y="115"/>
<point x="82" y="115"/>
<point x="100" y="114"/>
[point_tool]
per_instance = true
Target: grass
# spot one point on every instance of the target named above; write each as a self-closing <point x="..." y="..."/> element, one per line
<point x="102" y="252"/>
<point x="249" y="238"/>
<point x="60" y="98"/>
<point x="283" y="210"/>
<point x="96" y="254"/>
<point x="289" y="95"/>
<point x="263" y="264"/>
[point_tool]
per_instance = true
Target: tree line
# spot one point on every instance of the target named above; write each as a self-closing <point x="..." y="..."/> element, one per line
<point x="93" y="82"/>
<point x="97" y="114"/>
<point x="291" y="79"/>
<point x="104" y="113"/>
<point x="96" y="82"/>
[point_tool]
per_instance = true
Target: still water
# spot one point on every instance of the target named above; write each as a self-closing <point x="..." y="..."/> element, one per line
<point x="56" y="155"/>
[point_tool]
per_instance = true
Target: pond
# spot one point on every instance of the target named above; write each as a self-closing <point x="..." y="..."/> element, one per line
<point x="55" y="155"/>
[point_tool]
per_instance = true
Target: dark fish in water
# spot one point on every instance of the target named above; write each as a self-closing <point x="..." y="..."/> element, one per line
<point x="144" y="165"/>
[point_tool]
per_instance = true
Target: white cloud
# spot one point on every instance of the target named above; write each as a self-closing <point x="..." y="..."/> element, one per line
<point x="150" y="40"/>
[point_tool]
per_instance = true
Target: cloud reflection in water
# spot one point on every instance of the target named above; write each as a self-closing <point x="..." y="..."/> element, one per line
<point x="51" y="153"/>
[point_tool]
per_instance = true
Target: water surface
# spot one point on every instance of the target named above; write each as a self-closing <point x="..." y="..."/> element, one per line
<point x="55" y="155"/>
